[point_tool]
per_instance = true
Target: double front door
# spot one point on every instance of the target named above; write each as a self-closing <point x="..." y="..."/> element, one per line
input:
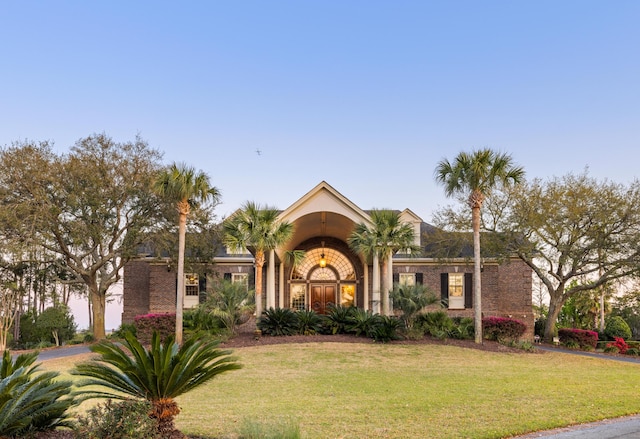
<point x="322" y="297"/>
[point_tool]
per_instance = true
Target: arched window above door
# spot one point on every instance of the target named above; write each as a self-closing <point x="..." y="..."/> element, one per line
<point x="334" y="258"/>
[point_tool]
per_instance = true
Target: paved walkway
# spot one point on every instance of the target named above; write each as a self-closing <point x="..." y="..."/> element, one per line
<point x="619" y="428"/>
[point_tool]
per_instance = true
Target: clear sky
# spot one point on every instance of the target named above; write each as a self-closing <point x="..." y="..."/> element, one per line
<point x="367" y="95"/>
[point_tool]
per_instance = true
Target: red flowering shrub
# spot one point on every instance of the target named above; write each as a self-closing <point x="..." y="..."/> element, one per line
<point x="620" y="344"/>
<point x="146" y="324"/>
<point x="502" y="329"/>
<point x="582" y="337"/>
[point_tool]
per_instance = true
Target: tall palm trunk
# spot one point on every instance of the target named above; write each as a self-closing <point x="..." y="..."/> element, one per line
<point x="182" y="231"/>
<point x="384" y="287"/>
<point x="477" y="287"/>
<point x="259" y="264"/>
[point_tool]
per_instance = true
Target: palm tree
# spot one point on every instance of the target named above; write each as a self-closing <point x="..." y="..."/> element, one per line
<point x="158" y="374"/>
<point x="187" y="188"/>
<point x="257" y="228"/>
<point x="477" y="174"/>
<point x="386" y="235"/>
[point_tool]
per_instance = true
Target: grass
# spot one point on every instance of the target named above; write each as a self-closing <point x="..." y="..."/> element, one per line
<point x="333" y="390"/>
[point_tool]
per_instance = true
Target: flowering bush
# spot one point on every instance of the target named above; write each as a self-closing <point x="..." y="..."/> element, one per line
<point x="620" y="344"/>
<point x="503" y="329"/>
<point x="145" y="324"/>
<point x="582" y="337"/>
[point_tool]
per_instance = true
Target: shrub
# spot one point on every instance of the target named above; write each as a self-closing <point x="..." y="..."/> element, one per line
<point x="158" y="374"/>
<point x="462" y="328"/>
<point x="201" y="319"/>
<point x="619" y="344"/>
<point x="309" y="322"/>
<point x="337" y="318"/>
<point x="616" y="326"/>
<point x="503" y="329"/>
<point x="147" y="324"/>
<point x="437" y="324"/>
<point x="611" y="349"/>
<point x="230" y="303"/>
<point x="411" y="299"/>
<point x="386" y="329"/>
<point x="581" y="337"/>
<point x="31" y="400"/>
<point x="54" y="325"/>
<point x="279" y="321"/>
<point x="118" y="420"/>
<point x="362" y="323"/>
<point x="125" y="327"/>
<point x="633" y="351"/>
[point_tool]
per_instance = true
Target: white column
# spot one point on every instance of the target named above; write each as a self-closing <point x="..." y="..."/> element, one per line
<point x="271" y="280"/>
<point x="365" y="305"/>
<point x="281" y="303"/>
<point x="376" y="285"/>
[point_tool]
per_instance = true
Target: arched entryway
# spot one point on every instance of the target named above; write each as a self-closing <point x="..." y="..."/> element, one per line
<point x="324" y="278"/>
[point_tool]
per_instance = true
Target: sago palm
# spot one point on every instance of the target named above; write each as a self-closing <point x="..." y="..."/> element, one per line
<point x="258" y="229"/>
<point x="158" y="374"/>
<point x="31" y="400"/>
<point x="186" y="188"/>
<point x="477" y="174"/>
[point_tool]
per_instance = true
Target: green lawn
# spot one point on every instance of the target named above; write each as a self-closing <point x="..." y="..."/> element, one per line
<point x="334" y="390"/>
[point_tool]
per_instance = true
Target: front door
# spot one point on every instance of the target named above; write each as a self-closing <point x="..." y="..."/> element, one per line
<point x="322" y="296"/>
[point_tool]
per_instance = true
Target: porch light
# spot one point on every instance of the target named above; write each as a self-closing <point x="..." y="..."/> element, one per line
<point x="323" y="261"/>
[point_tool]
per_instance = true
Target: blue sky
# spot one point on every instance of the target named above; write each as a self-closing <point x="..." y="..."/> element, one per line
<point x="367" y="95"/>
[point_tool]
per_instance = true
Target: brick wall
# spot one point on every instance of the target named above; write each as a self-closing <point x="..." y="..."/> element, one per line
<point x="506" y="288"/>
<point x="149" y="288"/>
<point x="135" y="301"/>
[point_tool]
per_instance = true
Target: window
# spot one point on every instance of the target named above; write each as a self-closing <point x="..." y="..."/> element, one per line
<point x="456" y="290"/>
<point x="241" y="278"/>
<point x="298" y="297"/>
<point x="192" y="285"/>
<point x="347" y="295"/>
<point x="456" y="285"/>
<point x="408" y="279"/>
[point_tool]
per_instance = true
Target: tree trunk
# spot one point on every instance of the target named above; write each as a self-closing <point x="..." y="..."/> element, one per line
<point x="98" y="308"/>
<point x="555" y="306"/>
<point x="259" y="264"/>
<point x="182" y="232"/>
<point x="384" y="290"/>
<point x="477" y="287"/>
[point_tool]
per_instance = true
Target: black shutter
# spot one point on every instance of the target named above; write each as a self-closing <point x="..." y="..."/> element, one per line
<point x="444" y="288"/>
<point x="202" y="288"/>
<point x="252" y="280"/>
<point x="468" y="290"/>
<point x="396" y="278"/>
<point x="227" y="276"/>
<point x="419" y="279"/>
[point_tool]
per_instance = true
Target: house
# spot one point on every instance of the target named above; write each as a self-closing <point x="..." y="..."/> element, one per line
<point x="331" y="273"/>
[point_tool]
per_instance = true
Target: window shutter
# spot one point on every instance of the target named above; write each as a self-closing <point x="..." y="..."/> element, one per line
<point x="419" y="280"/>
<point x="202" y="288"/>
<point x="396" y="278"/>
<point x="227" y="276"/>
<point x="444" y="287"/>
<point x="252" y="280"/>
<point x="468" y="290"/>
